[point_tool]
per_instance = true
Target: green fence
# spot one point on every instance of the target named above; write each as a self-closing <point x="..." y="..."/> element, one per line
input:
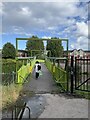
<point x="60" y="76"/>
<point x="24" y="71"/>
<point x="58" y="73"/>
<point x="49" y="65"/>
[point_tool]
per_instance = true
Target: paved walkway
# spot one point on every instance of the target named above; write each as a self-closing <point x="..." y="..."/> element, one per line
<point x="46" y="105"/>
<point x="44" y="84"/>
<point x="63" y="107"/>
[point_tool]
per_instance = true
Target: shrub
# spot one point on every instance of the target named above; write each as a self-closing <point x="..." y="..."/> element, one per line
<point x="8" y="66"/>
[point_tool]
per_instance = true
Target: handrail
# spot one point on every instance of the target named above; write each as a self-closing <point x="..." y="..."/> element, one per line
<point x="24" y="71"/>
<point x="21" y="112"/>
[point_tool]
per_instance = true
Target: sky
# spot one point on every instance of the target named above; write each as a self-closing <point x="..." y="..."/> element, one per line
<point x="68" y="19"/>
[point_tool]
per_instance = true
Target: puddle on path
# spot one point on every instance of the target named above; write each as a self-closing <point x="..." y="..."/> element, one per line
<point x="37" y="105"/>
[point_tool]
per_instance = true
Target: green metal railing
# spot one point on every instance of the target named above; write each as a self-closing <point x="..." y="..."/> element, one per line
<point x="49" y="65"/>
<point x="60" y="76"/>
<point x="58" y="73"/>
<point x="24" y="71"/>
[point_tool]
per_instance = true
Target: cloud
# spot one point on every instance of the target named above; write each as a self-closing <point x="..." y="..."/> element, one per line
<point x="82" y="29"/>
<point x="46" y="37"/>
<point x="35" y="15"/>
<point x="63" y="19"/>
<point x="46" y="1"/>
<point x="81" y="33"/>
<point x="81" y="43"/>
<point x="1" y="8"/>
<point x="89" y="29"/>
<point x="25" y="11"/>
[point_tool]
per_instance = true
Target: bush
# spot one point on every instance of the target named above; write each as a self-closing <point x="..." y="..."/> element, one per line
<point x="8" y="51"/>
<point x="8" y="66"/>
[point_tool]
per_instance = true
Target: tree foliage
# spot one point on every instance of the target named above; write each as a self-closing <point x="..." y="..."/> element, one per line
<point x="8" y="51"/>
<point x="55" y="47"/>
<point x="34" y="45"/>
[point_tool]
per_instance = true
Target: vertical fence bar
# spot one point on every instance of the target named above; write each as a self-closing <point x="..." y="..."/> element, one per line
<point x="66" y="68"/>
<point x="78" y="70"/>
<point x="71" y="87"/>
<point x="80" y="62"/>
<point x="16" y="58"/>
<point x="75" y="72"/>
<point x="84" y="64"/>
<point x="87" y="72"/>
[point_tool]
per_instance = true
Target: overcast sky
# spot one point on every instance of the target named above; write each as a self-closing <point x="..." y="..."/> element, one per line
<point x="46" y="19"/>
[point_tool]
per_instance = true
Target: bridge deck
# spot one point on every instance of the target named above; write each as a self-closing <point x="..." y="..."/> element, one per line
<point x="43" y="84"/>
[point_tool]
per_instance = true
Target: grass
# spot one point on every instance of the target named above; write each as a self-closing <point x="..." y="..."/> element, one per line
<point x="10" y="94"/>
<point x="0" y="97"/>
<point x="83" y="94"/>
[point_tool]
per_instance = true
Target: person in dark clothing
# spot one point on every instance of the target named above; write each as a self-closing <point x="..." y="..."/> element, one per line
<point x="37" y="68"/>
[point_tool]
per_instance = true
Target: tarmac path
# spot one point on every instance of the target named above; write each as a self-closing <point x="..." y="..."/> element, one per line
<point x="44" y="84"/>
<point x="46" y="105"/>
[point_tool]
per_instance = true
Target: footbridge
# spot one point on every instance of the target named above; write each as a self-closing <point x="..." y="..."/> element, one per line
<point x="56" y="78"/>
<point x="49" y="98"/>
<point x="49" y="66"/>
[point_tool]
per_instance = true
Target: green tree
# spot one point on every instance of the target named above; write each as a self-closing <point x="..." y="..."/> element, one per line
<point x="34" y="45"/>
<point x="55" y="46"/>
<point x="8" y="51"/>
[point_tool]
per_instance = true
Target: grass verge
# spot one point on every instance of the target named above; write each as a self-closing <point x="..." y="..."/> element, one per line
<point x="10" y="94"/>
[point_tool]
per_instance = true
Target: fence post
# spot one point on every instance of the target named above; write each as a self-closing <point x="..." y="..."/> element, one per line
<point x="13" y="76"/>
<point x="72" y="74"/>
<point x="67" y="75"/>
<point x="53" y="67"/>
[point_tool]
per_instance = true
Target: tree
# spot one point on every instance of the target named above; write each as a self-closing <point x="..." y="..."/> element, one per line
<point x="55" y="47"/>
<point x="8" y="51"/>
<point x="34" y="45"/>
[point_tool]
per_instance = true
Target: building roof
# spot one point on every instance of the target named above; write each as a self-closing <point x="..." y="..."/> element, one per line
<point x="77" y="50"/>
<point x="22" y="50"/>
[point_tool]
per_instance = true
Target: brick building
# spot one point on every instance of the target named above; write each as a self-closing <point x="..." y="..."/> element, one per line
<point x="22" y="53"/>
<point x="77" y="53"/>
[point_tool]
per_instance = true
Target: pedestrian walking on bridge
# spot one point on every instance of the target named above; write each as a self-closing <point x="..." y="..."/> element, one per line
<point x="37" y="69"/>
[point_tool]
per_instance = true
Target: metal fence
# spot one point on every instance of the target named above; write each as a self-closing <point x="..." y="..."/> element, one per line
<point x="8" y="78"/>
<point x="80" y="74"/>
<point x="24" y="71"/>
<point x="59" y="74"/>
